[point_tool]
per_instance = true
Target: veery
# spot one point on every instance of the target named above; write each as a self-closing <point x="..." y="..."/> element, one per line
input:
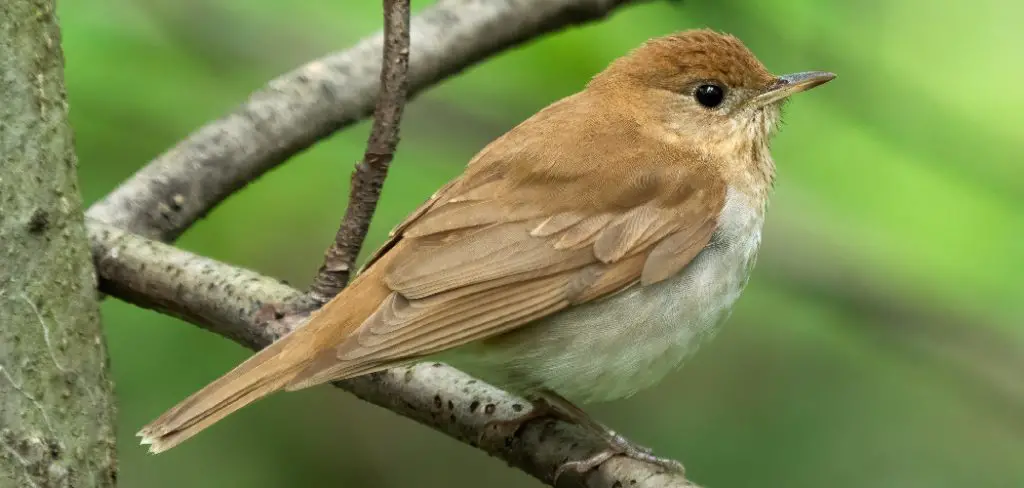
<point x="580" y="257"/>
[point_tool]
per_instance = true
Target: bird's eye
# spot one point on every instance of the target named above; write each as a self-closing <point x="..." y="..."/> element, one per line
<point x="709" y="96"/>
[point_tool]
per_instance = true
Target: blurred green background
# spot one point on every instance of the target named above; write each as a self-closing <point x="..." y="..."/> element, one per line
<point x="880" y="342"/>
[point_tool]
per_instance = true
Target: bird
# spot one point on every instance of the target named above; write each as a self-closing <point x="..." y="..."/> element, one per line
<point x="579" y="258"/>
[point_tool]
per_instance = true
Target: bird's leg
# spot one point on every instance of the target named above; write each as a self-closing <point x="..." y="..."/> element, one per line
<point x="547" y="403"/>
<point x="617" y="444"/>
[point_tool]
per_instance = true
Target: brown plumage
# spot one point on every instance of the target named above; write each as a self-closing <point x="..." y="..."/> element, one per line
<point x="619" y="186"/>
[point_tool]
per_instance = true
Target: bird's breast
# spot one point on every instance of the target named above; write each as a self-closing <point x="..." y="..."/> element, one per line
<point x="615" y="347"/>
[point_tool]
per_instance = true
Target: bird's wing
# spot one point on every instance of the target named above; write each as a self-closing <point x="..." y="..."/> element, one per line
<point x="503" y="246"/>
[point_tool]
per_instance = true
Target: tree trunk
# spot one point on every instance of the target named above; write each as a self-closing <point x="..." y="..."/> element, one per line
<point x="56" y="399"/>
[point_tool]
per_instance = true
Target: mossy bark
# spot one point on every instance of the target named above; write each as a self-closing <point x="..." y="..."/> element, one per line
<point x="56" y="399"/>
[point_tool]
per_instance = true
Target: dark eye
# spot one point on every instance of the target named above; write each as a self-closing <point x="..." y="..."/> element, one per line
<point x="709" y="96"/>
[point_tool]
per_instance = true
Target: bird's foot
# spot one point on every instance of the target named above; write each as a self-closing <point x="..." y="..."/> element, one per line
<point x="628" y="448"/>
<point x="618" y="446"/>
<point x="550" y="405"/>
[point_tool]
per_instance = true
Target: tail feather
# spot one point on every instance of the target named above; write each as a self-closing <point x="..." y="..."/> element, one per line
<point x="260" y="375"/>
<point x="327" y="369"/>
<point x="173" y="436"/>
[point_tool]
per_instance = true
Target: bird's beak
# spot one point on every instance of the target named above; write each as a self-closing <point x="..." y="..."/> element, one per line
<point x="786" y="85"/>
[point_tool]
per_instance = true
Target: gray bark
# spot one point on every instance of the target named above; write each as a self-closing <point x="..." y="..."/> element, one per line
<point x="56" y="399"/>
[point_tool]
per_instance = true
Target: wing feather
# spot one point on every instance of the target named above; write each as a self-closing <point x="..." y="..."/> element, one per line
<point x="674" y="252"/>
<point x="557" y="223"/>
<point x="482" y="256"/>
<point x="580" y="235"/>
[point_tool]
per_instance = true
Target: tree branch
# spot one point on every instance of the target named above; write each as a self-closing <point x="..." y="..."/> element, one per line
<point x="299" y="108"/>
<point x="237" y="304"/>
<point x="369" y="176"/>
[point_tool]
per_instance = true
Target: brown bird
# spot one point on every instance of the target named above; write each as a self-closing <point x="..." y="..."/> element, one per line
<point x="580" y="257"/>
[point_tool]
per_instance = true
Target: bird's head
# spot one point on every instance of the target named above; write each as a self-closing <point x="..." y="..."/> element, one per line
<point x="704" y="87"/>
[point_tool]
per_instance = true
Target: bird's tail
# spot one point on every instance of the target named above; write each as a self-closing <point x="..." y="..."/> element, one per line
<point x="269" y="370"/>
<point x="255" y="378"/>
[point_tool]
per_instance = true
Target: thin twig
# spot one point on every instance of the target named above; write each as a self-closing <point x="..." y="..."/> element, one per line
<point x="369" y="175"/>
<point x="238" y="304"/>
<point x="305" y="106"/>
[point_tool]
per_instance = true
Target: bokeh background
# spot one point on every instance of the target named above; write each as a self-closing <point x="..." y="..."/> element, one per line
<point x="881" y="339"/>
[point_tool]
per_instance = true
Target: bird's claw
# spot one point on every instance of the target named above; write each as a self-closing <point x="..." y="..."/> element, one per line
<point x="584" y="465"/>
<point x="618" y="446"/>
<point x="553" y="406"/>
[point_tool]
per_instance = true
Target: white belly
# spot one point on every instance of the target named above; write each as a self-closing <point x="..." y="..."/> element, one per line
<point x="617" y="346"/>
